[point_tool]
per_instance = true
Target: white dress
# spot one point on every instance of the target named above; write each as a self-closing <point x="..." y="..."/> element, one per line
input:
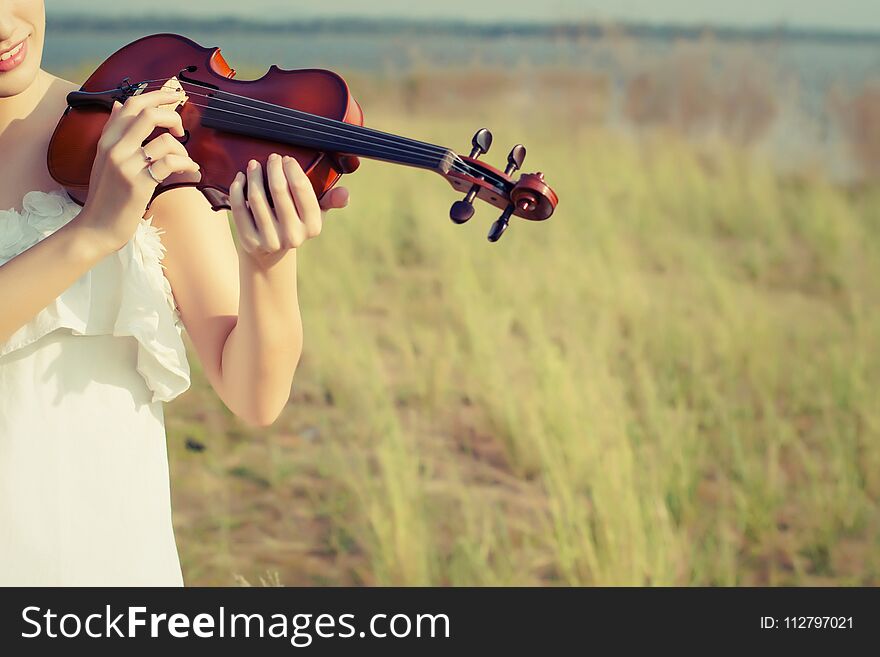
<point x="84" y="490"/>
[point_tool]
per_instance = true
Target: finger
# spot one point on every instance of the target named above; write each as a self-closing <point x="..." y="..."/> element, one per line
<point x="135" y="104"/>
<point x="334" y="199"/>
<point x="174" y="163"/>
<point x="291" y="230"/>
<point x="303" y="196"/>
<point x="244" y="223"/>
<point x="148" y="120"/>
<point x="115" y="109"/>
<point x="264" y="218"/>
<point x="164" y="144"/>
<point x="111" y="130"/>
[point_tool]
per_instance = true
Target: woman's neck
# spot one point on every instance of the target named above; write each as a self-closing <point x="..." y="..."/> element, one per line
<point x="20" y="106"/>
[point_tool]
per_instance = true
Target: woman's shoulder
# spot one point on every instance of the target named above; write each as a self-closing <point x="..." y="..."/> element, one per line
<point x="53" y="101"/>
<point x="61" y="84"/>
<point x="51" y="105"/>
<point x="57" y="90"/>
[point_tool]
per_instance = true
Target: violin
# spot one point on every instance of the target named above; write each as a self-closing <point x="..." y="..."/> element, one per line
<point x="308" y="114"/>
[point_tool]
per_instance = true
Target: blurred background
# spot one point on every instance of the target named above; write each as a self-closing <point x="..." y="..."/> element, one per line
<point x="674" y="380"/>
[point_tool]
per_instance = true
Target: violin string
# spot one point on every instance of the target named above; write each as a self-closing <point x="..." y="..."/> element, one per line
<point x="379" y="155"/>
<point x="323" y="120"/>
<point x="341" y="142"/>
<point x="319" y="120"/>
<point x="458" y="164"/>
<point x="381" y="152"/>
<point x="369" y="150"/>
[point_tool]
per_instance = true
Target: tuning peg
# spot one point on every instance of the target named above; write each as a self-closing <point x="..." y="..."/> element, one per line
<point x="463" y="210"/>
<point x="498" y="228"/>
<point x="481" y="142"/>
<point x="515" y="159"/>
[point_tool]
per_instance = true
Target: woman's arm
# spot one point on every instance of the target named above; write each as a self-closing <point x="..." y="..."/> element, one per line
<point x="119" y="190"/>
<point x="31" y="280"/>
<point x="240" y="305"/>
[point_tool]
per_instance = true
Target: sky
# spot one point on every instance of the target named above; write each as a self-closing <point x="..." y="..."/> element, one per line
<point x="833" y="14"/>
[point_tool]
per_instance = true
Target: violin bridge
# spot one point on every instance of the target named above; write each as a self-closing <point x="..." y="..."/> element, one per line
<point x="172" y="84"/>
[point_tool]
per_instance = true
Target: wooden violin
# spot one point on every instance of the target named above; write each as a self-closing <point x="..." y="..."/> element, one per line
<point x="307" y="114"/>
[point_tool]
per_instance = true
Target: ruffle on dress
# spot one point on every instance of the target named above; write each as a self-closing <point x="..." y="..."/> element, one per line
<point x="146" y="312"/>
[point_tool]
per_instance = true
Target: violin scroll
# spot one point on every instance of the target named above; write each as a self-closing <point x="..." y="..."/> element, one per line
<point x="529" y="197"/>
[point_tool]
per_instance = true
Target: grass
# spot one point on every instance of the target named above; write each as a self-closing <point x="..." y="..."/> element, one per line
<point x="672" y="381"/>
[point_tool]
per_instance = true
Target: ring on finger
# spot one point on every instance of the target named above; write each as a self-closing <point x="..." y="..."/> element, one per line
<point x="146" y="155"/>
<point x="153" y="175"/>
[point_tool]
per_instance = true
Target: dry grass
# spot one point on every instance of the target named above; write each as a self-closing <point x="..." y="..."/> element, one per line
<point x="859" y="115"/>
<point x="673" y="381"/>
<point x="694" y="90"/>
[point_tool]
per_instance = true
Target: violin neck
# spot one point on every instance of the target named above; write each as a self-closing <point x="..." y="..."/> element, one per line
<point x="264" y="120"/>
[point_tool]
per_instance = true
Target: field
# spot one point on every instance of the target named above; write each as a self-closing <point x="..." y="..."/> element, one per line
<point x="672" y="381"/>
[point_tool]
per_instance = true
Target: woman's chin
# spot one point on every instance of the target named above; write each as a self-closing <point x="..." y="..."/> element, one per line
<point x="16" y="82"/>
<point x="22" y="76"/>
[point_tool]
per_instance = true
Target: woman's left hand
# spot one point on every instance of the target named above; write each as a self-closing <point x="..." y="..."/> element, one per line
<point x="265" y="233"/>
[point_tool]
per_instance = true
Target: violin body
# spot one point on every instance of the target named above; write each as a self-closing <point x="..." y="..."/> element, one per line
<point x="219" y="154"/>
<point x="308" y="114"/>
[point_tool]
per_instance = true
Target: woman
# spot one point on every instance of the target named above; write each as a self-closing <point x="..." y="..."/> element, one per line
<point x="90" y="332"/>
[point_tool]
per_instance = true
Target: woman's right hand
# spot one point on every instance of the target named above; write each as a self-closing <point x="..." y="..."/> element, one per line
<point x="120" y="186"/>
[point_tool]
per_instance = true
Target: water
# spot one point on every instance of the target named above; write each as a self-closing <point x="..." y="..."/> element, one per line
<point x="818" y="64"/>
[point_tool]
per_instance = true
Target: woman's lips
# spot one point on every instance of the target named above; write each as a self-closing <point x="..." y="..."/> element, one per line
<point x="16" y="57"/>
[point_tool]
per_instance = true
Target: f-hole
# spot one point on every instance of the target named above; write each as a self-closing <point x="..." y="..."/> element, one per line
<point x="186" y="78"/>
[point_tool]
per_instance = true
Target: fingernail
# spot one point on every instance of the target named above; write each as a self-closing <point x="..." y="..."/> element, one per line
<point x="252" y="165"/>
<point x="274" y="156"/>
